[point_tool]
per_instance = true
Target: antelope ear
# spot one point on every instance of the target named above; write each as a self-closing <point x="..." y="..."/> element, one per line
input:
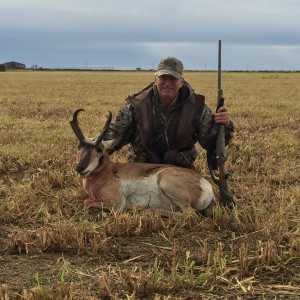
<point x="109" y="145"/>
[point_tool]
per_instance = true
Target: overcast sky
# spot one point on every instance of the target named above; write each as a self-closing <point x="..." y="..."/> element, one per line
<point x="126" y="34"/>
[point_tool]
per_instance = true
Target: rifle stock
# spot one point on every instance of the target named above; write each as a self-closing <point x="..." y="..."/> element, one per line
<point x="216" y="155"/>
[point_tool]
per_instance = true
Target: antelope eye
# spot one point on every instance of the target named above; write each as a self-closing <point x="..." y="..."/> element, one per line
<point x="98" y="149"/>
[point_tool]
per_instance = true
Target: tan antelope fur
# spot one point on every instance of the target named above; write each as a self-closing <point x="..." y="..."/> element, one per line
<point x="165" y="188"/>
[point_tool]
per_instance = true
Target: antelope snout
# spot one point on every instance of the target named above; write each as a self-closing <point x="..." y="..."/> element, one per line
<point x="80" y="169"/>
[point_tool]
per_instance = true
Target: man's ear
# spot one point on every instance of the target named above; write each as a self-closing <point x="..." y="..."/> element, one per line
<point x="182" y="81"/>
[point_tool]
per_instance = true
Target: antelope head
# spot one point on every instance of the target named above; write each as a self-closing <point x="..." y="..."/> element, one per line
<point x="91" y="152"/>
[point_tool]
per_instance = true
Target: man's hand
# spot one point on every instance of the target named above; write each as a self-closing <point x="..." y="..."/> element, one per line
<point x="222" y="116"/>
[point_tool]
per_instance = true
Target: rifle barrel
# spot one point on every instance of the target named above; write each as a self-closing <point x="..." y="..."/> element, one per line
<point x="219" y="67"/>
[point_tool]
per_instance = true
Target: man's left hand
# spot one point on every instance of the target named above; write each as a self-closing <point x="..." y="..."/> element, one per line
<point x="222" y="116"/>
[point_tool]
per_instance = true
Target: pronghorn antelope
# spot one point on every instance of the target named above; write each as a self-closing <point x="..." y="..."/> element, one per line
<point x="163" y="188"/>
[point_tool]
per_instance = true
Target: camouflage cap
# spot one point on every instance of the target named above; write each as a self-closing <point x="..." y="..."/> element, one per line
<point x="170" y="66"/>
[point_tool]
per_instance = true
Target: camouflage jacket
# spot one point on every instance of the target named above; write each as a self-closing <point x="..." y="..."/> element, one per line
<point x="159" y="134"/>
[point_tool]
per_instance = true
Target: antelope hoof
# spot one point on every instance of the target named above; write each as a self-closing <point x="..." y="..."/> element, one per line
<point x="209" y="210"/>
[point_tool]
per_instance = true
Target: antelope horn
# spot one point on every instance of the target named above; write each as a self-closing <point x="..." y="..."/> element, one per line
<point x="75" y="126"/>
<point x="105" y="128"/>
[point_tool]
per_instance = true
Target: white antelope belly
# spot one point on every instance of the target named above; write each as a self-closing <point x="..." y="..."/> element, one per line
<point x="145" y="193"/>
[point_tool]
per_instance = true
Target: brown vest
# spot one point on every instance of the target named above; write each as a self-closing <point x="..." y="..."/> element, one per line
<point x="191" y="108"/>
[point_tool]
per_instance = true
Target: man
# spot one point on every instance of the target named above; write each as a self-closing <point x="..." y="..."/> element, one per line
<point x="163" y="122"/>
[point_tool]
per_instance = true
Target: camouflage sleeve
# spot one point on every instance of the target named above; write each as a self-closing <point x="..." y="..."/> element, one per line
<point x="205" y="126"/>
<point x="122" y="129"/>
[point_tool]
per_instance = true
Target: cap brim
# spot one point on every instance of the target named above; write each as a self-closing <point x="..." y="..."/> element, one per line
<point x="168" y="72"/>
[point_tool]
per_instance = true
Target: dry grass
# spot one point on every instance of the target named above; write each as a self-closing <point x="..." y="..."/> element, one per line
<point x="52" y="248"/>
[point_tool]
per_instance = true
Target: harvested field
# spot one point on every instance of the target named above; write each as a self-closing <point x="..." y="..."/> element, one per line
<point x="51" y="247"/>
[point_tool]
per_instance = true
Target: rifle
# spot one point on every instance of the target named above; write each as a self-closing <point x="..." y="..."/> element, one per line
<point x="216" y="155"/>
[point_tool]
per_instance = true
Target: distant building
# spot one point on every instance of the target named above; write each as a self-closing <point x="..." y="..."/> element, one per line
<point x="13" y="65"/>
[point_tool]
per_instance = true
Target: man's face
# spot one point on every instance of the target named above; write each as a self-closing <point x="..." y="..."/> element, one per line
<point x="168" y="87"/>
